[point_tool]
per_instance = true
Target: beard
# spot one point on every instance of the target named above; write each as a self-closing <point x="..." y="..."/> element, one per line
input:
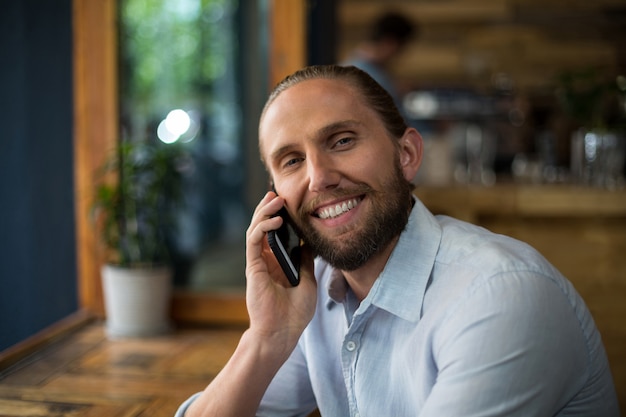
<point x="388" y="215"/>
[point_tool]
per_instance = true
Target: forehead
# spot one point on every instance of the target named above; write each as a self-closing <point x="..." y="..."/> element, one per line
<point x="309" y="106"/>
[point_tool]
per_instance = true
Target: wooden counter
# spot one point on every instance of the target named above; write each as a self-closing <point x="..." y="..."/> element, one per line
<point x="473" y="203"/>
<point x="582" y="231"/>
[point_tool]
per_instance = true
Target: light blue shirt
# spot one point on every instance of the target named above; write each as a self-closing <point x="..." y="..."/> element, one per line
<point x="461" y="322"/>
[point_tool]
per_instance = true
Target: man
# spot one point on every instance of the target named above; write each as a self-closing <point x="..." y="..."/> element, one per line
<point x="402" y="313"/>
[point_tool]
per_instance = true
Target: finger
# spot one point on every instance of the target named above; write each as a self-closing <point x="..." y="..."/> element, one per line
<point x="256" y="241"/>
<point x="269" y="196"/>
<point x="263" y="220"/>
<point x="267" y="207"/>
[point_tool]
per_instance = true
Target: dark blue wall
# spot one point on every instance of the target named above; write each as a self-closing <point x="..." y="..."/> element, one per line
<point x="37" y="242"/>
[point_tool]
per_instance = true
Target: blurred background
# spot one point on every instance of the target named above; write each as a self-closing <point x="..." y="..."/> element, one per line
<point x="492" y="86"/>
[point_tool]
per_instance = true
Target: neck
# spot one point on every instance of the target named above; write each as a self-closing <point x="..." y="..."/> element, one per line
<point x="362" y="280"/>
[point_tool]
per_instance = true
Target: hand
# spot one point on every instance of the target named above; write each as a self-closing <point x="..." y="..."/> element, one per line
<point x="276" y="309"/>
<point x="278" y="315"/>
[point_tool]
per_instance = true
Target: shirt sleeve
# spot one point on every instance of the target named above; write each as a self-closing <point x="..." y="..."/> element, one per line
<point x="513" y="346"/>
<point x="290" y="393"/>
<point x="184" y="406"/>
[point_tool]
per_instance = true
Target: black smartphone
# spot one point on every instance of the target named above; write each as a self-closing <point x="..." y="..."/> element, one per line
<point x="285" y="244"/>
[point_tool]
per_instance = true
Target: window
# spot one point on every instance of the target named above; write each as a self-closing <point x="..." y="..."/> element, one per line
<point x="183" y="77"/>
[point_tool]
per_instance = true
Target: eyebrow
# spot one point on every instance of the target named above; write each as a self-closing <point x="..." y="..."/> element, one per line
<point x="337" y="126"/>
<point x="280" y="151"/>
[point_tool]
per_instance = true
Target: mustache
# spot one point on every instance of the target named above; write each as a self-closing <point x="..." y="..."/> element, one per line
<point x="308" y="208"/>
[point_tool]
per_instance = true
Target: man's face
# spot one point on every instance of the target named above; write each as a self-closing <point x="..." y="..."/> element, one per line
<point x="338" y="169"/>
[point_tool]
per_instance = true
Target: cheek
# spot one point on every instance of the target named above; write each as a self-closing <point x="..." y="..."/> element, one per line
<point x="291" y="190"/>
<point x="283" y="188"/>
<point x="376" y="164"/>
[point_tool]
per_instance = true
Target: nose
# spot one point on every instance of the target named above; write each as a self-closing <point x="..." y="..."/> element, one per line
<point x="322" y="172"/>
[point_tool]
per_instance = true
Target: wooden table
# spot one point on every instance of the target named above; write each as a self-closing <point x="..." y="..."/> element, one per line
<point x="85" y="374"/>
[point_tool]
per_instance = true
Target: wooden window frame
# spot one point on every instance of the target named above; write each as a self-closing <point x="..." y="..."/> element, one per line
<point x="96" y="122"/>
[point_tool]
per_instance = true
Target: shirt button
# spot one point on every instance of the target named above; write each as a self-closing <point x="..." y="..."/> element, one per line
<point x="350" y="346"/>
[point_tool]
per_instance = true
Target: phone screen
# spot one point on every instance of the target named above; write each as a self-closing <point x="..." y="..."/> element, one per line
<point x="285" y="245"/>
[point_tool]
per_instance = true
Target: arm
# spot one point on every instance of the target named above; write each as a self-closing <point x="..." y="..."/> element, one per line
<point x="513" y="347"/>
<point x="278" y="315"/>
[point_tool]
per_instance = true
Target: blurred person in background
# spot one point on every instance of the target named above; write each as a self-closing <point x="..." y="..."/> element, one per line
<point x="386" y="39"/>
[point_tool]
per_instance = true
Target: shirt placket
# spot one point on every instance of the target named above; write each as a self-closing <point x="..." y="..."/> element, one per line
<point x="350" y="352"/>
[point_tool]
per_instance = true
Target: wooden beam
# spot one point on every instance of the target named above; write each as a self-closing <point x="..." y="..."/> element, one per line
<point x="288" y="38"/>
<point x="95" y="130"/>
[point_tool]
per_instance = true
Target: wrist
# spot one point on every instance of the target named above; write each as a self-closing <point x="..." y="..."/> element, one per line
<point x="275" y="346"/>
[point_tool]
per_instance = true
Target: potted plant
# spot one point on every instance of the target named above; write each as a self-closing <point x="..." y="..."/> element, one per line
<point x="134" y="212"/>
<point x="596" y="103"/>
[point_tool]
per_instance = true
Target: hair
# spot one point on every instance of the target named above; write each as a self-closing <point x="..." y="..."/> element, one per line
<point x="375" y="96"/>
<point x="392" y="25"/>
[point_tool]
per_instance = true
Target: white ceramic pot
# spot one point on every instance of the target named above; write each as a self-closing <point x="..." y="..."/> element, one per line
<point x="137" y="301"/>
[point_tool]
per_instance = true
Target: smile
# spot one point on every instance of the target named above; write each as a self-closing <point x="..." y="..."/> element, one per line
<point x="338" y="209"/>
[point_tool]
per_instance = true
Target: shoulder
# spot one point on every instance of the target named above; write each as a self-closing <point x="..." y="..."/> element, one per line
<point x="496" y="306"/>
<point x="478" y="273"/>
<point x="463" y="242"/>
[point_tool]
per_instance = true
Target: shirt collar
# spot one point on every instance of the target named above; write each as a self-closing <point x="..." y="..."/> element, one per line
<point x="401" y="286"/>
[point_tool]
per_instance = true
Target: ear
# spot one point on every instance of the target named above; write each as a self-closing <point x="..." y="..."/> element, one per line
<point x="411" y="148"/>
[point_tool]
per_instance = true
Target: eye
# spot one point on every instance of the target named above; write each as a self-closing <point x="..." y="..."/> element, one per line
<point x="291" y="162"/>
<point x="343" y="142"/>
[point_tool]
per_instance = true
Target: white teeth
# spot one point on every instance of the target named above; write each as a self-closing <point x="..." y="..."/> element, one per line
<point x="339" y="209"/>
